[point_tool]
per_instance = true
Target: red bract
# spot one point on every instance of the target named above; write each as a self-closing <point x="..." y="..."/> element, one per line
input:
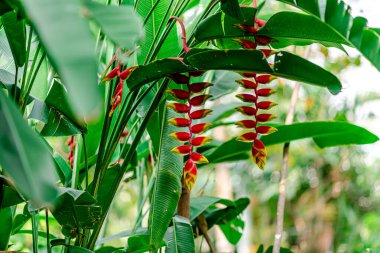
<point x="247" y="98"/>
<point x="70" y="142"/>
<point x="180" y="122"/>
<point x="199" y="128"/>
<point x="199" y="87"/>
<point x="264" y="79"/>
<point x="247" y="110"/>
<point x="246" y="44"/>
<point x="247" y="123"/>
<point x="200" y="141"/>
<point x="199" y="114"/>
<point x="182" y="150"/>
<point x="178" y="107"/>
<point x="179" y="94"/>
<point x="199" y="100"/>
<point x="181" y="136"/>
<point x="265" y="105"/>
<point x="112" y="74"/>
<point x="246" y="83"/>
<point x="247" y="137"/>
<point x="267" y="52"/>
<point x="265" y="92"/>
<point x="126" y="73"/>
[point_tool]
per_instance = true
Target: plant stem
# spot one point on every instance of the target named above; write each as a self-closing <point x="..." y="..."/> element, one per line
<point x="47" y="230"/>
<point x="85" y="158"/>
<point x="284" y="172"/>
<point x="183" y="207"/>
<point x="26" y="63"/>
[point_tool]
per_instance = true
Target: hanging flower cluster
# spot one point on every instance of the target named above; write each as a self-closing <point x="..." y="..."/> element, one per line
<point x="118" y="93"/>
<point x="191" y="99"/>
<point x="70" y="142"/>
<point x="255" y="125"/>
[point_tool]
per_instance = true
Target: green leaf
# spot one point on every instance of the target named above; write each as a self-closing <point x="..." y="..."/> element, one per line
<point x="167" y="188"/>
<point x="232" y="8"/>
<point x="120" y="23"/>
<point x="324" y="133"/>
<point x="199" y="204"/>
<point x="6" y="221"/>
<point x="336" y="15"/>
<point x="10" y="197"/>
<point x="180" y="236"/>
<point x="59" y="24"/>
<point x="233" y="230"/>
<point x="20" y="150"/>
<point x="63" y="169"/>
<point x="15" y="31"/>
<point x="75" y="209"/>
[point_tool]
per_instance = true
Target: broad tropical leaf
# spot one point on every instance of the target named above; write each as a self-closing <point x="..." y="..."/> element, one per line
<point x="324" y="133"/>
<point x="167" y="188"/>
<point x="56" y="23"/>
<point x="6" y="221"/>
<point x="180" y="236"/>
<point x="20" y="150"/>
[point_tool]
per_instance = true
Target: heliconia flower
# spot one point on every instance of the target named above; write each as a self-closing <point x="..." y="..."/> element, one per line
<point x="189" y="165"/>
<point x="246" y="44"/>
<point x="267" y="52"/>
<point x="260" y="22"/>
<point x="200" y="141"/>
<point x="178" y="107"/>
<point x="247" y="28"/>
<point x="196" y="73"/>
<point x="247" y="97"/>
<point x="259" y="146"/>
<point x="247" y="124"/>
<point x="179" y="94"/>
<point x="198" y="158"/>
<point x="70" y="142"/>
<point x="112" y="74"/>
<point x="265" y="129"/>
<point x="246" y="110"/>
<point x="247" y="137"/>
<point x="191" y="177"/>
<point x="249" y="74"/>
<point x="248" y="84"/>
<point x="263" y="40"/>
<point x="265" y="105"/>
<point x="125" y="74"/>
<point x="181" y="136"/>
<point x="261" y="160"/>
<point x="180" y="78"/>
<point x="180" y="122"/>
<point x="199" y="87"/>
<point x="199" y="114"/>
<point x="264" y="79"/>
<point x="264" y="117"/>
<point x="200" y="128"/>
<point x="265" y="92"/>
<point x="199" y="100"/>
<point x="182" y="150"/>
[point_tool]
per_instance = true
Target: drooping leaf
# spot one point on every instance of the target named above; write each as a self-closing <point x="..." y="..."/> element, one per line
<point x="324" y="133"/>
<point x="120" y="23"/>
<point x="337" y="15"/>
<point x="233" y="230"/>
<point x="68" y="42"/>
<point x="10" y="197"/>
<point x="199" y="204"/>
<point x="167" y="188"/>
<point x="15" y="30"/>
<point x="232" y="8"/>
<point x="20" y="150"/>
<point x="180" y="236"/>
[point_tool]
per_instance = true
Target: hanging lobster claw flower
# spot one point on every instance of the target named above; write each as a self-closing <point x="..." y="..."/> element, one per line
<point x="200" y="141"/>
<point x="261" y="160"/>
<point x="200" y="128"/>
<point x="196" y="73"/>
<point x="264" y="79"/>
<point x="260" y="22"/>
<point x="267" y="52"/>
<point x="248" y="84"/>
<point x="180" y="122"/>
<point x="188" y="166"/>
<point x="181" y="136"/>
<point x="178" y="107"/>
<point x="198" y="158"/>
<point x="247" y="28"/>
<point x="246" y="44"/>
<point x="259" y="146"/>
<point x="265" y="105"/>
<point x="180" y="78"/>
<point x="199" y="100"/>
<point x="112" y="74"/>
<point x="179" y="94"/>
<point x="263" y="40"/>
<point x="265" y="92"/>
<point x="199" y="87"/>
<point x="199" y="114"/>
<point x="247" y="98"/>
<point x="126" y="73"/>
<point x="247" y="137"/>
<point x="246" y="110"/>
<point x="264" y="117"/>
<point x="191" y="177"/>
<point x="265" y="129"/>
<point x="247" y="124"/>
<point x="249" y="74"/>
<point x="182" y="150"/>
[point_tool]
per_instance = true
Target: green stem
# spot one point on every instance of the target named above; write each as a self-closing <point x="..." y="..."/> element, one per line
<point x="85" y="158"/>
<point x="15" y="85"/>
<point x="26" y="62"/>
<point x="35" y="230"/>
<point x="127" y="160"/>
<point x="47" y="230"/>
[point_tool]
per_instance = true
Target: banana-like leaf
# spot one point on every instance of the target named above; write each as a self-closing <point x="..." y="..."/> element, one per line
<point x="336" y="17"/>
<point x="68" y="42"/>
<point x="15" y="30"/>
<point x="120" y="23"/>
<point x="167" y="188"/>
<point x="6" y="221"/>
<point x="324" y="133"/>
<point x="179" y="237"/>
<point x="10" y="197"/>
<point x="21" y="149"/>
<point x="286" y="65"/>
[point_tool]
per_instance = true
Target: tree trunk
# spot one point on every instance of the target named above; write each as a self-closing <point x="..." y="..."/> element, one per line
<point x="183" y="208"/>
